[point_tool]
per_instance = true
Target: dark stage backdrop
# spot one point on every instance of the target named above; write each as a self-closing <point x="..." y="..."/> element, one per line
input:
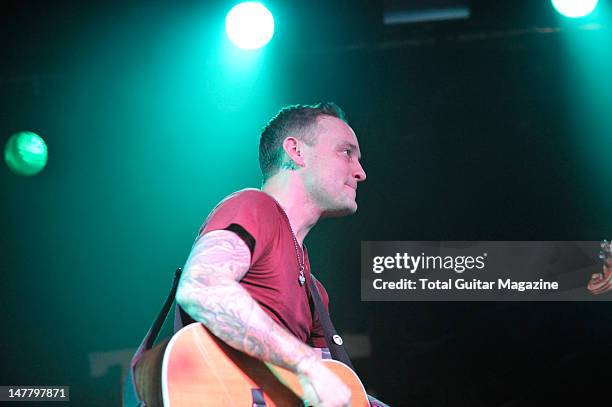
<point x="484" y="129"/>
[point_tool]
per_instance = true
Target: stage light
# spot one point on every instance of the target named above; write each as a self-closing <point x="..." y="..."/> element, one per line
<point x="25" y="153"/>
<point x="574" y="8"/>
<point x="249" y="25"/>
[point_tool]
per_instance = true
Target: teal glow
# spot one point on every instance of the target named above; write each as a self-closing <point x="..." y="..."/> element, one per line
<point x="574" y="8"/>
<point x="25" y="153"/>
<point x="249" y="25"/>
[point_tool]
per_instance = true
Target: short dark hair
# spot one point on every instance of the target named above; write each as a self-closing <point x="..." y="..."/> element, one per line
<point x="297" y="121"/>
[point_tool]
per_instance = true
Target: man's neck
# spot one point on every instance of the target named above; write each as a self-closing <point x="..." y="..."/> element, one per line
<point x="289" y="192"/>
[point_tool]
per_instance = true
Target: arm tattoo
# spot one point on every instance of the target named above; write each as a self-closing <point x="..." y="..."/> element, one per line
<point x="209" y="292"/>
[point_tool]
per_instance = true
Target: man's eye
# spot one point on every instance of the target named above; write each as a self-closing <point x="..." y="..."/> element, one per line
<point x="348" y="152"/>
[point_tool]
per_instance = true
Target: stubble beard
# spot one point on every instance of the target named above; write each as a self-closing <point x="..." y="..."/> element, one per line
<point x="336" y="207"/>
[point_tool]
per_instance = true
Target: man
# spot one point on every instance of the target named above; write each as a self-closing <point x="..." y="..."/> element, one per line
<point x="246" y="277"/>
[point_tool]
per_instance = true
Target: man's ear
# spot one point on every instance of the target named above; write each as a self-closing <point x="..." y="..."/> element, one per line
<point x="292" y="147"/>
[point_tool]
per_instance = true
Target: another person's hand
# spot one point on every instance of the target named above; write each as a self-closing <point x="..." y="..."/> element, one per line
<point x="322" y="388"/>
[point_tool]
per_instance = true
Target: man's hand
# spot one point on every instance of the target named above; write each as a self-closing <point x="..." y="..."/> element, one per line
<point x="322" y="388"/>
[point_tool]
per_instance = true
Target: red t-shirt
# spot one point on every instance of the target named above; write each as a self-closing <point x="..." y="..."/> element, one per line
<point x="272" y="279"/>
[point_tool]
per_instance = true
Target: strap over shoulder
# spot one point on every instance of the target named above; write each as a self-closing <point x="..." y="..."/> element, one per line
<point x="334" y="341"/>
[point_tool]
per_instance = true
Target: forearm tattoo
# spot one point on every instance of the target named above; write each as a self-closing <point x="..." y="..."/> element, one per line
<point x="210" y="293"/>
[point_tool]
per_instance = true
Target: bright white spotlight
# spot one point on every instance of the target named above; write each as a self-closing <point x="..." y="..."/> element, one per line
<point x="574" y="8"/>
<point x="249" y="25"/>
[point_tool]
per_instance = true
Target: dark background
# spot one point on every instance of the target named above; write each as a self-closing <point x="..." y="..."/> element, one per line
<point x="496" y="127"/>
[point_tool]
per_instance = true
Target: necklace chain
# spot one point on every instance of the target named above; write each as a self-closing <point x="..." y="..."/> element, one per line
<point x="301" y="277"/>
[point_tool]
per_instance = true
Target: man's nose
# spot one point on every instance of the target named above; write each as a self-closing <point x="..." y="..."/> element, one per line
<point x="359" y="173"/>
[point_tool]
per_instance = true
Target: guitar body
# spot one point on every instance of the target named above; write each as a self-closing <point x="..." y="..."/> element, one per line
<point x="194" y="368"/>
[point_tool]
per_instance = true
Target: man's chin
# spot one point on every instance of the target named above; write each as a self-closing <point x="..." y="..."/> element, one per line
<point x="340" y="212"/>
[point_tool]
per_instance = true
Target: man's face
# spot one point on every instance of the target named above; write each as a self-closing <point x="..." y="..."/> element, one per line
<point x="332" y="167"/>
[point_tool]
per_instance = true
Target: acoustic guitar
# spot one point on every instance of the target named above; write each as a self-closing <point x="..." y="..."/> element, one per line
<point x="194" y="368"/>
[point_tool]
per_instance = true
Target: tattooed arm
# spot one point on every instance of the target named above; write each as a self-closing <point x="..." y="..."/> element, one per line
<point x="209" y="292"/>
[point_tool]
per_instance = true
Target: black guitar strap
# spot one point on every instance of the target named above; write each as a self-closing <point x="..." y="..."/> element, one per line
<point x="130" y="392"/>
<point x="334" y="341"/>
<point x="151" y="335"/>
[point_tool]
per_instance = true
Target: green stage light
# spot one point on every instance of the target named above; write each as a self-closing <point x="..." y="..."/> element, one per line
<point x="25" y="153"/>
<point x="249" y="25"/>
<point x="574" y="8"/>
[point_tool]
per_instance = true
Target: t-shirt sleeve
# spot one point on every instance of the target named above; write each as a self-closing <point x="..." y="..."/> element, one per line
<point x="248" y="214"/>
<point x="317" y="334"/>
